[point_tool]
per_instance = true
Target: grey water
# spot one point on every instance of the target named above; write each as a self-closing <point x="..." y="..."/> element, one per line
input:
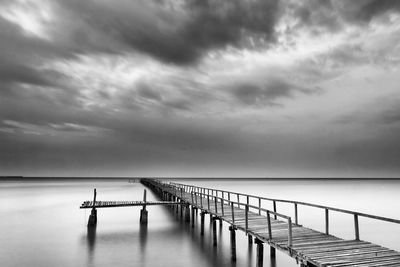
<point x="41" y="223"/>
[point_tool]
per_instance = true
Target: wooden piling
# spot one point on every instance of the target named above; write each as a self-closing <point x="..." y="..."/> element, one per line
<point x="214" y="230"/>
<point x="260" y="253"/>
<point x="143" y="211"/>
<point x="193" y="210"/>
<point x="232" y="231"/>
<point x="202" y="222"/>
<point x="93" y="214"/>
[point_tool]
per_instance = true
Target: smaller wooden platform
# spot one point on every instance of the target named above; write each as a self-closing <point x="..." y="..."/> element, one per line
<point x="112" y="204"/>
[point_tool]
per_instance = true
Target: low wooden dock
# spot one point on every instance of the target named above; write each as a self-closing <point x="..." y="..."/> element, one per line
<point x="307" y="246"/>
<point x="113" y="204"/>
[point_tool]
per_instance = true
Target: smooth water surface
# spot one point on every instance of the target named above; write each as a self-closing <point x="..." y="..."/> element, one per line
<point x="41" y="223"/>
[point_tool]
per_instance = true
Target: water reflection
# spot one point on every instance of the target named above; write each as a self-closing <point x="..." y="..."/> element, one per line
<point x="143" y="238"/>
<point x="91" y="241"/>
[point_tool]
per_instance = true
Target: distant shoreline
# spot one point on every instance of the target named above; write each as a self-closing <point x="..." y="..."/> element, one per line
<point x="60" y="178"/>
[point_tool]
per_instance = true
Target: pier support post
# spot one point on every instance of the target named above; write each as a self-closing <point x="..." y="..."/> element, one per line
<point x="202" y="222"/>
<point x="214" y="230"/>
<point x="250" y="240"/>
<point x="143" y="211"/>
<point x="93" y="214"/>
<point x="272" y="252"/>
<point x="233" y="242"/>
<point x="260" y="253"/>
<point x="193" y="210"/>
<point x="187" y="213"/>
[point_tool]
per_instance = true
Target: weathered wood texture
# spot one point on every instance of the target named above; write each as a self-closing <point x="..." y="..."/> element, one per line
<point x="111" y="204"/>
<point x="307" y="246"/>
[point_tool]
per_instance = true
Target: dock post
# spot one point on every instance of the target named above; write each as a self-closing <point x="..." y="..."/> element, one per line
<point x="272" y="252"/>
<point x="233" y="242"/>
<point x="187" y="213"/>
<point x="202" y="222"/>
<point x="193" y="210"/>
<point x="143" y="211"/>
<point x="93" y="214"/>
<point x="214" y="230"/>
<point x="251" y="240"/>
<point x="260" y="253"/>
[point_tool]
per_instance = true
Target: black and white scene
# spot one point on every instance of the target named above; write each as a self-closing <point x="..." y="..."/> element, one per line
<point x="201" y="133"/>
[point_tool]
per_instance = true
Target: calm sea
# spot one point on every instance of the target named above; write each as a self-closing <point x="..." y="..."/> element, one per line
<point x="41" y="223"/>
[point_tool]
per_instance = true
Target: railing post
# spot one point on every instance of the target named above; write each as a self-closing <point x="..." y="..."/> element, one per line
<point x="269" y="225"/>
<point x="327" y="221"/>
<point x="259" y="206"/>
<point x="296" y="220"/>
<point x="208" y="201"/>
<point x="201" y="200"/>
<point x="357" y="233"/>
<point x="290" y="232"/>
<point x="275" y="217"/>
<point x="238" y="200"/>
<point x="247" y="217"/>
<point x="222" y="207"/>
<point x="233" y="213"/>
<point x="216" y="204"/>
<point x="191" y="193"/>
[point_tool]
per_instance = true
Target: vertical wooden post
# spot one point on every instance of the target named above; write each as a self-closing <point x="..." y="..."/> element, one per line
<point x="296" y="220"/>
<point x="202" y="223"/>
<point x="201" y="201"/>
<point x="269" y="225"/>
<point x="233" y="213"/>
<point x="187" y="213"/>
<point x="93" y="214"/>
<point x="233" y="242"/>
<point x="290" y="242"/>
<point x="259" y="206"/>
<point x="216" y="204"/>
<point x="250" y="240"/>
<point x="327" y="221"/>
<point x="246" y="218"/>
<point x="143" y="211"/>
<point x="208" y="202"/>
<point x="193" y="210"/>
<point x="247" y="200"/>
<point x="356" y="229"/>
<point x="260" y="253"/>
<point x="222" y="207"/>
<point x="274" y="209"/>
<point x="214" y="229"/>
<point x="238" y="200"/>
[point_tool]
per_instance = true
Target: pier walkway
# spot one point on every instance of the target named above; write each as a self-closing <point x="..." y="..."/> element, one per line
<point x="247" y="213"/>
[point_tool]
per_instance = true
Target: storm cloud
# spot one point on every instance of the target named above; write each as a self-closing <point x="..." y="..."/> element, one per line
<point x="200" y="88"/>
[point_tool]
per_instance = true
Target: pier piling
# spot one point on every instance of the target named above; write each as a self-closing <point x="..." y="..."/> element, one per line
<point x="93" y="214"/>
<point x="214" y="230"/>
<point x="233" y="242"/>
<point x="143" y="211"/>
<point x="260" y="253"/>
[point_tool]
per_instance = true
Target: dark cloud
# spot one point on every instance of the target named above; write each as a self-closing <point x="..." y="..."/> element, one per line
<point x="170" y="35"/>
<point x="267" y="94"/>
<point x="144" y="90"/>
<point x="328" y="15"/>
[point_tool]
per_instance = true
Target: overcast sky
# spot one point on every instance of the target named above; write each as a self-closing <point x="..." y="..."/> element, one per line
<point x="200" y="88"/>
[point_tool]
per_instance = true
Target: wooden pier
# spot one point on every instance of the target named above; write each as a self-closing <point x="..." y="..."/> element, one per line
<point x="266" y="226"/>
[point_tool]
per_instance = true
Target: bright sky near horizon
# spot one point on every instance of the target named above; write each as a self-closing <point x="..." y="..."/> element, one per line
<point x="260" y="88"/>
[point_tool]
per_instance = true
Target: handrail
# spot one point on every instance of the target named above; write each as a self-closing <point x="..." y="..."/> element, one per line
<point x="274" y="201"/>
<point x="308" y="204"/>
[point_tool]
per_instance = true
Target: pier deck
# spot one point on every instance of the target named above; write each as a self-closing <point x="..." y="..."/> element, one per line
<point x="113" y="204"/>
<point x="309" y="247"/>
